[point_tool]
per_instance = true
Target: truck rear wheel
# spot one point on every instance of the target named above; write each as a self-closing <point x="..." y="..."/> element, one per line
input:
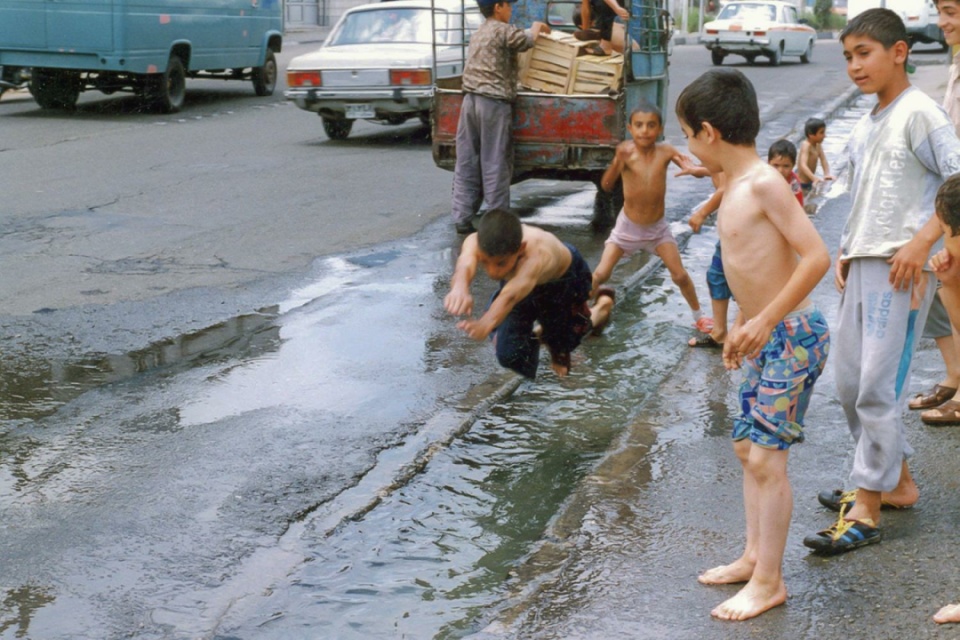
<point x="168" y="89"/>
<point x="55" y="88"/>
<point x="607" y="206"/>
<point x="265" y="77"/>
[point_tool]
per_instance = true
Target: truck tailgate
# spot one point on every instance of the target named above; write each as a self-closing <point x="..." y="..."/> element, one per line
<point x="550" y="132"/>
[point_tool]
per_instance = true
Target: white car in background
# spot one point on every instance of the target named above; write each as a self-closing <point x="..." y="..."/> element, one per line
<point x="377" y="63"/>
<point x="751" y="29"/>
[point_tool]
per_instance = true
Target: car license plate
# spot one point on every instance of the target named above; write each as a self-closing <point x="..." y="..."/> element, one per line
<point x="359" y="111"/>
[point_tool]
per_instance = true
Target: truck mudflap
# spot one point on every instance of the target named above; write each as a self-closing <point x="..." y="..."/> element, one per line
<point x="552" y="134"/>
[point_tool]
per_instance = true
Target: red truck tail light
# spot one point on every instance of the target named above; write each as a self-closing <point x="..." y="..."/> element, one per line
<point x="304" y="79"/>
<point x="759" y="33"/>
<point x="410" y="77"/>
<point x="712" y="32"/>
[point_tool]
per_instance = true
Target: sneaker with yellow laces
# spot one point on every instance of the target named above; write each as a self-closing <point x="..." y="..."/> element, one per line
<point x="843" y="535"/>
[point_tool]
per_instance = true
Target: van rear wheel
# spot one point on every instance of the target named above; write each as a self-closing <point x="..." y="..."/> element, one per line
<point x="55" y="88"/>
<point x="169" y="89"/>
<point x="265" y="77"/>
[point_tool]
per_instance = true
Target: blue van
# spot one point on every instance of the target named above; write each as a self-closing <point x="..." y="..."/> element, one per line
<point x="149" y="47"/>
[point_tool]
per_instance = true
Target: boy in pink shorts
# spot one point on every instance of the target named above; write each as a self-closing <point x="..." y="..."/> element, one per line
<point x="642" y="164"/>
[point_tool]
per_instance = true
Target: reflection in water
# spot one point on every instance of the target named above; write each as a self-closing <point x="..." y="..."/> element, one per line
<point x="18" y="607"/>
<point x="31" y="388"/>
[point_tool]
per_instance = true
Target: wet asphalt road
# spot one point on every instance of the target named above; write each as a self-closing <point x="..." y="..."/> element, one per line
<point x="175" y="459"/>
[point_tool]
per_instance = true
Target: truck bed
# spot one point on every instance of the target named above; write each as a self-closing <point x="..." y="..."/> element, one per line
<point x="564" y="136"/>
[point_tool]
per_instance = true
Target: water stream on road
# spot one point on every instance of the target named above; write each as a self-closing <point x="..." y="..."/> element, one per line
<point x="157" y="484"/>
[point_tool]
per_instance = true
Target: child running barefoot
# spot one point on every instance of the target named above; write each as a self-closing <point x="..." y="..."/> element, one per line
<point x="716" y="282"/>
<point x="772" y="258"/>
<point x="642" y="163"/>
<point x="542" y="280"/>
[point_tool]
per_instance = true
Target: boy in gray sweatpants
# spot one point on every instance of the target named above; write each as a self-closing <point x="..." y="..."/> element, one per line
<point x="484" y="165"/>
<point x="899" y="155"/>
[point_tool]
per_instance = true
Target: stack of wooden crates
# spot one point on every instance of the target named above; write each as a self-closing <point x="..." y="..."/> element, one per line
<point x="559" y="63"/>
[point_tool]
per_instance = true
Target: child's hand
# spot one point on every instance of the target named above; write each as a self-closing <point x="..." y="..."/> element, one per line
<point x="731" y="359"/>
<point x="940" y="261"/>
<point x="474" y="329"/>
<point x="906" y="266"/>
<point x="458" y="303"/>
<point x="747" y="339"/>
<point x="840" y="271"/>
<point x="625" y="149"/>
<point x="688" y="167"/>
<point x="697" y="219"/>
<point x="621" y="12"/>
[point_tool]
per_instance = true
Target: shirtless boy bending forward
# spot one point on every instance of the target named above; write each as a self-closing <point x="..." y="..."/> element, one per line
<point x="773" y="257"/>
<point x="541" y="279"/>
<point x="642" y="163"/>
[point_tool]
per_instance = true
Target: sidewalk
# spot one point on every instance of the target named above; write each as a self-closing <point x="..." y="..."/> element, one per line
<point x="621" y="560"/>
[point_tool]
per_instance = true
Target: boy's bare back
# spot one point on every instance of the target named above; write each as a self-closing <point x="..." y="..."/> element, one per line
<point x="545" y="257"/>
<point x="645" y="180"/>
<point x="759" y="223"/>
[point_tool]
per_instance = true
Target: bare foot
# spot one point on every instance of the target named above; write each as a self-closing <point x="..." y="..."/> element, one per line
<point x="750" y="602"/>
<point x="739" y="570"/>
<point x="949" y="613"/>
<point x="560" y="363"/>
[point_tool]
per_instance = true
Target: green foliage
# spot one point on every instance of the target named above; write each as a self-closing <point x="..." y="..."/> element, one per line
<point x="693" y="20"/>
<point x="832" y="21"/>
<point x="822" y="9"/>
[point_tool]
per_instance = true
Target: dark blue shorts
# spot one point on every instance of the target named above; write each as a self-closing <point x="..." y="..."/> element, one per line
<point x="716" y="281"/>
<point x="560" y="306"/>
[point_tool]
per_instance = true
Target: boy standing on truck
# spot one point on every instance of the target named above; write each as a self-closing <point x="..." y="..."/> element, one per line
<point x="484" y="166"/>
<point x="773" y="258"/>
<point x="642" y="163"/>
<point x="542" y="280"/>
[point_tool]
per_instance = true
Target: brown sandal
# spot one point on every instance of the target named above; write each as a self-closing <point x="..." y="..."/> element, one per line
<point x="946" y="415"/>
<point x="933" y="398"/>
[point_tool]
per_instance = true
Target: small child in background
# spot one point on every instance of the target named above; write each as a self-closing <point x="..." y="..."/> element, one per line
<point x="811" y="153"/>
<point x="716" y="282"/>
<point x="782" y="156"/>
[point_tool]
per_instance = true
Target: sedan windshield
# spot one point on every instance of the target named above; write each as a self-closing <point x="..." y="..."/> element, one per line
<point x="384" y="25"/>
<point x="743" y="11"/>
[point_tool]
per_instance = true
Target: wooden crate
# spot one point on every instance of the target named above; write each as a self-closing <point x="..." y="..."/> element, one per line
<point x="596" y="74"/>
<point x="551" y="62"/>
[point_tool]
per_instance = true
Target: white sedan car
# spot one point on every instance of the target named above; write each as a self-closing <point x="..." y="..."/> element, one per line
<point x="378" y="63"/>
<point x="751" y="29"/>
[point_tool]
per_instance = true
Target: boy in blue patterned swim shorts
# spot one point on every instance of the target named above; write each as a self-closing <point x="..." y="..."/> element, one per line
<point x="772" y="260"/>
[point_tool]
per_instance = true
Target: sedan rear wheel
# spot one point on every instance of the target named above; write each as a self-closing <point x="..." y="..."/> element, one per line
<point x="751" y="58"/>
<point x="776" y="57"/>
<point x="337" y="129"/>
<point x="717" y="57"/>
<point x="805" y="57"/>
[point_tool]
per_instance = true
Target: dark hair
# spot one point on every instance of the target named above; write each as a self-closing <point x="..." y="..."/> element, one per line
<point x="882" y="25"/>
<point x="947" y="203"/>
<point x="812" y="126"/>
<point x="725" y="99"/>
<point x="486" y="10"/>
<point x="646" y="107"/>
<point x="499" y="233"/>
<point x="783" y="148"/>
